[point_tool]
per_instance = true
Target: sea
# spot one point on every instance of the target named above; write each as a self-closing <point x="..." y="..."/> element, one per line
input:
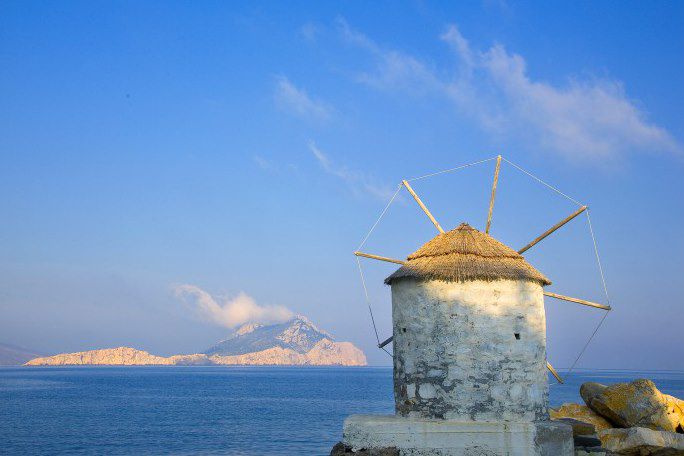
<point x="214" y="410"/>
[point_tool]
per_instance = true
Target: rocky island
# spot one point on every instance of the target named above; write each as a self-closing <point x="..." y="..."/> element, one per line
<point x="295" y="342"/>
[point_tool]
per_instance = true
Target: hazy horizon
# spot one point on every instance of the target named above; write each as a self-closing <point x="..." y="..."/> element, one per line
<point x="172" y="171"/>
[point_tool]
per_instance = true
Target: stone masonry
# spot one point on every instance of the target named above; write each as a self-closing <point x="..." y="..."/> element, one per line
<point x="472" y="351"/>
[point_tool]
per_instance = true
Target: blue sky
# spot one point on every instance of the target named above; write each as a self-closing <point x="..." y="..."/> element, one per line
<point x="170" y="170"/>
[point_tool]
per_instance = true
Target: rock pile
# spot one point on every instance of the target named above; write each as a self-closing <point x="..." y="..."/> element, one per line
<point x="626" y="419"/>
<point x="635" y="404"/>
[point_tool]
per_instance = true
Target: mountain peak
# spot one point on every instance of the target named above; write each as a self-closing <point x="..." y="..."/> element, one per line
<point x="301" y="321"/>
<point x="299" y="334"/>
<point x="295" y="342"/>
<point x="247" y="328"/>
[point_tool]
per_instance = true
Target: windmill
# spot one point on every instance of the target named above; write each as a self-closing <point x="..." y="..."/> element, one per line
<point x="469" y="342"/>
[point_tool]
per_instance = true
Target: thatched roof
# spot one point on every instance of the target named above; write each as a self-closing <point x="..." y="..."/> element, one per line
<point x="465" y="254"/>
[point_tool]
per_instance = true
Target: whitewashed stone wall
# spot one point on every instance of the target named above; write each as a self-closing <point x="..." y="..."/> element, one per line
<point x="456" y="355"/>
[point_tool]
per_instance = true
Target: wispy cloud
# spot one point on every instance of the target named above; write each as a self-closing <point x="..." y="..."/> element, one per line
<point x="230" y="312"/>
<point x="309" y="31"/>
<point x="591" y="118"/>
<point x="273" y="167"/>
<point x="586" y="119"/>
<point x="393" y="70"/>
<point x="298" y="102"/>
<point x="358" y="182"/>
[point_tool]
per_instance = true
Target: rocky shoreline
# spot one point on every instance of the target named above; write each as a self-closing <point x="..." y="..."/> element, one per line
<point x="625" y="418"/>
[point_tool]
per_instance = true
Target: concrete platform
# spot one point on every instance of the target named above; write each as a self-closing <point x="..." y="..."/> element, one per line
<point x="419" y="437"/>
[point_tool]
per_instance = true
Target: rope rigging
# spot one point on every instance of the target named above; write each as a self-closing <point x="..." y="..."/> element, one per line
<point x="549" y="186"/>
<point x="605" y="290"/>
<point x="370" y="310"/>
<point x="451" y="169"/>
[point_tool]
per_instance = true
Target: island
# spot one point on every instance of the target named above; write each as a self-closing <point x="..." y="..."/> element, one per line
<point x="297" y="342"/>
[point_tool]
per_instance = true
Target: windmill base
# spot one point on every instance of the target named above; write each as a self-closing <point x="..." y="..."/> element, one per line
<point x="418" y="437"/>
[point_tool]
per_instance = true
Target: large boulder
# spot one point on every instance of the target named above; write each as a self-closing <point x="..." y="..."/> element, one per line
<point x="676" y="406"/>
<point x="579" y="427"/>
<point x="639" y="441"/>
<point x="580" y="413"/>
<point x="635" y="404"/>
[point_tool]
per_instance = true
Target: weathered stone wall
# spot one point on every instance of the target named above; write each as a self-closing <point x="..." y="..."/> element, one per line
<point x="425" y="437"/>
<point x="456" y="353"/>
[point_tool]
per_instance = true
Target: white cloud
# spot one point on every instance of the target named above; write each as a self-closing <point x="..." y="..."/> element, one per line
<point x="394" y="70"/>
<point x="359" y="183"/>
<point x="296" y="101"/>
<point x="590" y="119"/>
<point x="583" y="119"/>
<point x="231" y="312"/>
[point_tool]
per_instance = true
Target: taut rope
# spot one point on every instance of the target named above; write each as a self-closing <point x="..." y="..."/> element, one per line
<point x="551" y="187"/>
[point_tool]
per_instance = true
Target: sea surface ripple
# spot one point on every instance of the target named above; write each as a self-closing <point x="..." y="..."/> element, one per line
<point x="209" y="410"/>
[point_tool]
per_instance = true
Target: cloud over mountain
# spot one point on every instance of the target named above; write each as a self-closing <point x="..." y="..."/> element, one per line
<point x="231" y="312"/>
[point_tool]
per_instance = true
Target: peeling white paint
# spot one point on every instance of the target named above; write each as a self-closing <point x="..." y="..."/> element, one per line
<point x="455" y="344"/>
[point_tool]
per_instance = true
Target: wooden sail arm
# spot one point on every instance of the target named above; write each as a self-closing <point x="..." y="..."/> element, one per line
<point x="378" y="257"/>
<point x="554" y="372"/>
<point x="577" y="300"/>
<point x="553" y="228"/>
<point x="385" y="342"/>
<point x="491" y="200"/>
<point x="422" y="206"/>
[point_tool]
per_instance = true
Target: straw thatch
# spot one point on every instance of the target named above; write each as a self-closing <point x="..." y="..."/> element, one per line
<point x="465" y="254"/>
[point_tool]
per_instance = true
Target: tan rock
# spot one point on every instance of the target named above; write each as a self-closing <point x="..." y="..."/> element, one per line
<point x="675" y="406"/>
<point x="327" y="352"/>
<point x="639" y="441"/>
<point x="122" y="356"/>
<point x="190" y="360"/>
<point x="635" y="404"/>
<point x="591" y="389"/>
<point x="272" y="356"/>
<point x="579" y="428"/>
<point x="324" y="353"/>
<point x="581" y="413"/>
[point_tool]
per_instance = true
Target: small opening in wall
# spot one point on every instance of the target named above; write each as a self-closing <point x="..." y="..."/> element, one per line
<point x="403" y="329"/>
<point x="517" y="336"/>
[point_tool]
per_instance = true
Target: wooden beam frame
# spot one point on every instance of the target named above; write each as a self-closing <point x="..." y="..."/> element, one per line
<point x="378" y="257"/>
<point x="491" y="200"/>
<point x="554" y="372"/>
<point x="577" y="300"/>
<point x="553" y="228"/>
<point x="422" y="206"/>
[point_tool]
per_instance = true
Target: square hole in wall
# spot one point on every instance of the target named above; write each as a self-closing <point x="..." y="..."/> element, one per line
<point x="517" y="336"/>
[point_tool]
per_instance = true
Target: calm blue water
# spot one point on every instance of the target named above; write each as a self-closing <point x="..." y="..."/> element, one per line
<point x="207" y="410"/>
